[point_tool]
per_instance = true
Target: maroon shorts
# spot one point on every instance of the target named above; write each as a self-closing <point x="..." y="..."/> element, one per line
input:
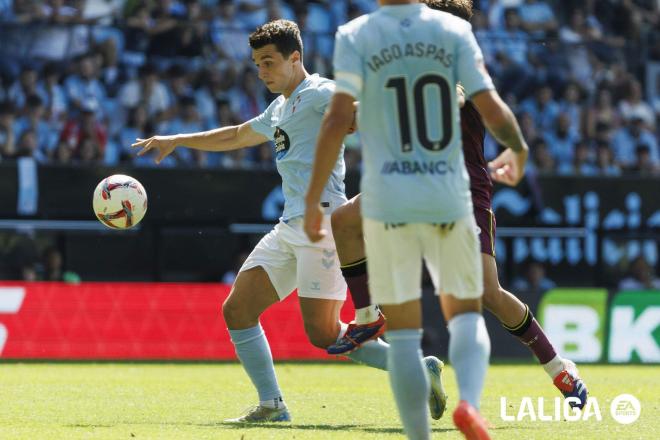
<point x="486" y="222"/>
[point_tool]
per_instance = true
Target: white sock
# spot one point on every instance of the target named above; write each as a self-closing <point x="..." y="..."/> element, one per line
<point x="366" y="315"/>
<point x="554" y="367"/>
<point x="275" y="403"/>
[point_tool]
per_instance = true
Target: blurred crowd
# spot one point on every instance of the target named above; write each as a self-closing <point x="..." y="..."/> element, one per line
<point x="80" y="80"/>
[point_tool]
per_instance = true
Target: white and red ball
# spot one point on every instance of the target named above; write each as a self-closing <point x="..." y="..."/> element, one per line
<point x="120" y="201"/>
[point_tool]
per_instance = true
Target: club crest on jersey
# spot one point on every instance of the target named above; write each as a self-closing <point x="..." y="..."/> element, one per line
<point x="282" y="143"/>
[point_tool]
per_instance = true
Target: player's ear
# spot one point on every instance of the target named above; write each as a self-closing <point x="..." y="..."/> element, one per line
<point x="295" y="56"/>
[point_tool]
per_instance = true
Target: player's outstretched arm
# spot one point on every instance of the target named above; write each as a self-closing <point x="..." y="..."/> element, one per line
<point x="508" y="167"/>
<point x="336" y="123"/>
<point x="219" y="139"/>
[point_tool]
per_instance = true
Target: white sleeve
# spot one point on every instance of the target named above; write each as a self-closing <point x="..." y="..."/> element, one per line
<point x="471" y="70"/>
<point x="348" y="64"/>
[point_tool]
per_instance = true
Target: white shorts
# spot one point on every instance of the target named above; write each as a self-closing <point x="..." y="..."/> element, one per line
<point x="395" y="253"/>
<point x="292" y="261"/>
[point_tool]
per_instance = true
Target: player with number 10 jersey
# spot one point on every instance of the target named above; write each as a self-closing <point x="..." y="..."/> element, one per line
<point x="407" y="70"/>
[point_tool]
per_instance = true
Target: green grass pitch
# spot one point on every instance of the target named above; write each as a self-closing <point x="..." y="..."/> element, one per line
<point x="327" y="401"/>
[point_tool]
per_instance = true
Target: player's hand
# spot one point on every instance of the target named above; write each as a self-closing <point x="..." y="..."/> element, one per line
<point x="163" y="144"/>
<point x="509" y="167"/>
<point x="312" y="224"/>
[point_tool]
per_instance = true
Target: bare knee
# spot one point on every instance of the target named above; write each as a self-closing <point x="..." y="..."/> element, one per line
<point x="346" y="220"/>
<point x="321" y="336"/>
<point x="238" y="314"/>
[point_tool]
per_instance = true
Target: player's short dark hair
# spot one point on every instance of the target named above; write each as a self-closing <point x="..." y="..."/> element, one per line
<point x="459" y="8"/>
<point x="284" y="34"/>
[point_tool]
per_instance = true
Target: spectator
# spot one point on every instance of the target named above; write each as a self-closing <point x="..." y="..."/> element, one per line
<point x="85" y="135"/>
<point x="34" y="120"/>
<point x="137" y="126"/>
<point x="534" y="281"/>
<point x="146" y="90"/>
<point x="571" y="106"/>
<point x="27" y="146"/>
<point x="641" y="276"/>
<point x="542" y="108"/>
<point x="582" y="162"/>
<point x="187" y="121"/>
<point x="194" y="31"/>
<point x="602" y="112"/>
<point x="90" y="152"/>
<point x="513" y="41"/>
<point x="26" y="85"/>
<point x="164" y="29"/>
<point x="543" y="161"/>
<point x="228" y="35"/>
<point x="632" y="106"/>
<point x="178" y="86"/>
<point x="250" y="98"/>
<point x="85" y="85"/>
<point x="628" y="138"/>
<point x="561" y="141"/>
<point x="537" y="18"/>
<point x="53" y="267"/>
<point x="55" y="96"/>
<point x="63" y="154"/>
<point x="22" y="258"/>
<point x="252" y="13"/>
<point x="576" y="35"/>
<point x="605" y="161"/>
<point x="644" y="165"/>
<point x="56" y="12"/>
<point x="8" y="136"/>
<point x="528" y="127"/>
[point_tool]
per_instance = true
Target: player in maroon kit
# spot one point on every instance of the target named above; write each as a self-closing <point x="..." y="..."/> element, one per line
<point x="512" y="313"/>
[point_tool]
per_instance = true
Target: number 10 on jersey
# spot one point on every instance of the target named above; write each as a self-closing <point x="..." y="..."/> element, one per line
<point x="401" y="88"/>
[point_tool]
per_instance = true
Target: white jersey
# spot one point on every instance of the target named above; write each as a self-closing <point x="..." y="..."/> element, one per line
<point x="294" y="123"/>
<point x="402" y="63"/>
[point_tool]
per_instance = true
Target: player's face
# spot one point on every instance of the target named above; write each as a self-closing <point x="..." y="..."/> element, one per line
<point x="275" y="71"/>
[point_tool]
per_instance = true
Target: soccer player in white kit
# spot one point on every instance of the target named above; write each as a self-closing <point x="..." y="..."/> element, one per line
<point x="284" y="259"/>
<point x="403" y="63"/>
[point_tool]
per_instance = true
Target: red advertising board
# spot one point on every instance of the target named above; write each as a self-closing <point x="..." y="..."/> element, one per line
<point x="150" y="321"/>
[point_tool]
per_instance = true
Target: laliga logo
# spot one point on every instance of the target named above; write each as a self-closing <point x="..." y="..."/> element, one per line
<point x="625" y="409"/>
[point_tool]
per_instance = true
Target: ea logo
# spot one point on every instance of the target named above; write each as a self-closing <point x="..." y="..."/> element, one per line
<point x="625" y="408"/>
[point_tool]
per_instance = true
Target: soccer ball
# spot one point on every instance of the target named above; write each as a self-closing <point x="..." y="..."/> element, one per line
<point x="119" y="202"/>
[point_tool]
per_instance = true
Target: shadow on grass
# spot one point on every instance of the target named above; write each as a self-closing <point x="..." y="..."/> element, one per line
<point x="289" y="426"/>
<point x="324" y="427"/>
<point x="341" y="427"/>
<point x="88" y="425"/>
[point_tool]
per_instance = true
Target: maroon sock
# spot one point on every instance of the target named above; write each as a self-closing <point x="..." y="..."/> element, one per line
<point x="530" y="333"/>
<point x="357" y="279"/>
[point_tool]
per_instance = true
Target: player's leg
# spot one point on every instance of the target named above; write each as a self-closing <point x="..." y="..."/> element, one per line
<point x="369" y="322"/>
<point x="322" y="291"/>
<point x="454" y="264"/>
<point x="349" y="240"/>
<point x="518" y="319"/>
<point x="267" y="276"/>
<point x="394" y="259"/>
